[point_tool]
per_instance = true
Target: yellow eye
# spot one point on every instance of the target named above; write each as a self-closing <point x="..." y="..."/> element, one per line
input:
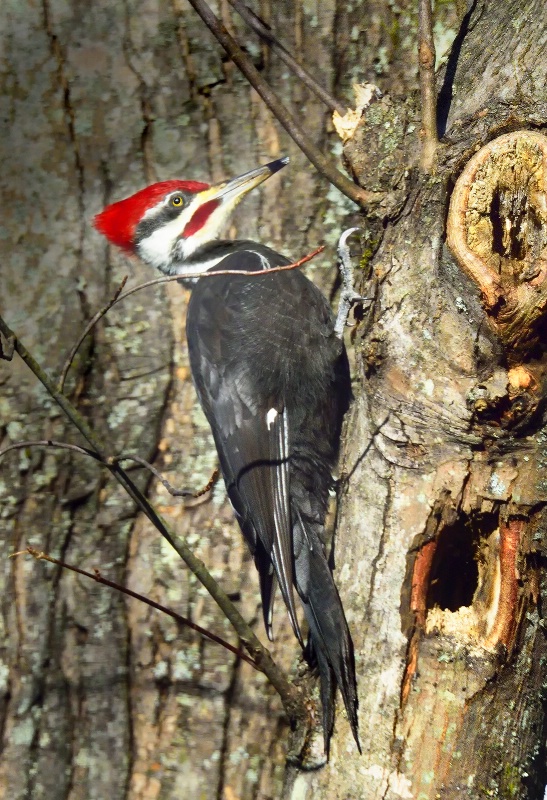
<point x="177" y="201"/>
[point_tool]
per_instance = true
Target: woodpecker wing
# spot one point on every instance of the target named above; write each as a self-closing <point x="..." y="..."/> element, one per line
<point x="273" y="381"/>
<point x="248" y="418"/>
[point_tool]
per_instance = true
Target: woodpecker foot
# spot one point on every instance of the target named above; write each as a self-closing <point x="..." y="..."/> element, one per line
<point x="348" y="296"/>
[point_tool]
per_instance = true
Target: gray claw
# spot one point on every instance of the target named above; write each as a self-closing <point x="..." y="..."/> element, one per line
<point x="348" y="296"/>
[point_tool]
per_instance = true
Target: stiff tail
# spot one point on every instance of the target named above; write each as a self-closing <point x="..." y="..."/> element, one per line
<point x="330" y="638"/>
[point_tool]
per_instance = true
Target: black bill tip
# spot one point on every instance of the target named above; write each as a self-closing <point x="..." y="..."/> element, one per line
<point x="275" y="166"/>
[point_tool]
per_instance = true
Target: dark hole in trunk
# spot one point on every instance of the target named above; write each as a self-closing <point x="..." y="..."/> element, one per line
<point x="454" y="575"/>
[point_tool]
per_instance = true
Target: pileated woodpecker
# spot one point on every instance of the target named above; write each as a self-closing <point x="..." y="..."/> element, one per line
<point x="272" y="377"/>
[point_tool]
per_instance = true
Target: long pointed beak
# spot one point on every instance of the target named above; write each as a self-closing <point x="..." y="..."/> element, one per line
<point x="237" y="188"/>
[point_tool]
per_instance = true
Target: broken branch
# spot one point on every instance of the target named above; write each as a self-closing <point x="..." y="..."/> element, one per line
<point x="284" y="117"/>
<point x="291" y="697"/>
<point x="96" y="576"/>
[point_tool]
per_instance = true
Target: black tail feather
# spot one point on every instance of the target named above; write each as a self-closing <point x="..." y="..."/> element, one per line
<point x="328" y="689"/>
<point x="329" y="633"/>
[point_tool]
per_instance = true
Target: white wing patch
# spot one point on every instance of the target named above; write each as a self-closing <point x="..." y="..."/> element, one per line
<point x="263" y="260"/>
<point x="270" y="417"/>
<point x="282" y="554"/>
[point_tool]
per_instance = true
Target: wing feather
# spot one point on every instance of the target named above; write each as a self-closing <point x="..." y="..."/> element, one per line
<point x="251" y="430"/>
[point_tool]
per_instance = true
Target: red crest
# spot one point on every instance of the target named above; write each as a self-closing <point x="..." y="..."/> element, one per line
<point x="119" y="221"/>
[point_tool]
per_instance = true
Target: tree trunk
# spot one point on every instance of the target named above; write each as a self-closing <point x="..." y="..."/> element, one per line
<point x="440" y="539"/>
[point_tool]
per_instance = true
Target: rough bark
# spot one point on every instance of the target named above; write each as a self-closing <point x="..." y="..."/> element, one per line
<point x="445" y="460"/>
<point x="442" y="489"/>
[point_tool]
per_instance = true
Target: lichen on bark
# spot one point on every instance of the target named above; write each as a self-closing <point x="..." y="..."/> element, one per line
<point x="445" y="448"/>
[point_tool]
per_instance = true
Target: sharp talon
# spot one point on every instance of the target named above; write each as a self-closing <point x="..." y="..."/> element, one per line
<point x="348" y="295"/>
<point x="344" y="237"/>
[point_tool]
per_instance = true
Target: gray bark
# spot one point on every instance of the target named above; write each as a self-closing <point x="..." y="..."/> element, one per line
<point x="102" y="697"/>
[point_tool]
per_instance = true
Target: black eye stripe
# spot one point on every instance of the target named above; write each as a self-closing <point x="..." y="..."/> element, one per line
<point x="161" y="217"/>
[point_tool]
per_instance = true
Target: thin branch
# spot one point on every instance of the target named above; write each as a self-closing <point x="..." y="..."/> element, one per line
<point x="166" y="279"/>
<point x="96" y="576"/>
<point x="93" y="321"/>
<point x="265" y="32"/>
<point x="291" y="697"/>
<point x="215" y="474"/>
<point x="171" y="489"/>
<point x="51" y="443"/>
<point x="251" y="273"/>
<point x="426" y="58"/>
<point x="137" y="459"/>
<point x="285" y="118"/>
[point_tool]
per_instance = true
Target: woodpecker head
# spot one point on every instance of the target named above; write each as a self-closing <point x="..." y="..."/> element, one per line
<point x="168" y="223"/>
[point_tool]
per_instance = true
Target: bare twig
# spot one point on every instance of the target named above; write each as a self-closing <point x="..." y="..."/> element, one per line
<point x="215" y="273"/>
<point x="51" y="443"/>
<point x="166" y="279"/>
<point x="290" y="696"/>
<point x="426" y="57"/>
<point x="93" y="321"/>
<point x="241" y="60"/>
<point x="264" y="31"/>
<point x="137" y="459"/>
<point x="171" y="489"/>
<point x="210" y="483"/>
<point x="96" y="576"/>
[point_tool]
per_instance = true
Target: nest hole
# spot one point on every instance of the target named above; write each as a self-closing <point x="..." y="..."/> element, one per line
<point x="454" y="576"/>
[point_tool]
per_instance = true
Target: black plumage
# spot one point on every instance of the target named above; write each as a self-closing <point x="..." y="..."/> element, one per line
<point x="273" y="380"/>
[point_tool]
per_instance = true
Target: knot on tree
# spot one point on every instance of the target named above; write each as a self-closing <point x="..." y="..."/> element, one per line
<point x="508" y="398"/>
<point x="497" y="231"/>
<point x="377" y="136"/>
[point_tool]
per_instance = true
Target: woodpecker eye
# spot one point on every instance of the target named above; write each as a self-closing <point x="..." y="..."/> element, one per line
<point x="177" y="201"/>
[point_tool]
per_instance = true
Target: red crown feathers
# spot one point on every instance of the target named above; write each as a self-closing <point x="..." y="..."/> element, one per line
<point x="119" y="221"/>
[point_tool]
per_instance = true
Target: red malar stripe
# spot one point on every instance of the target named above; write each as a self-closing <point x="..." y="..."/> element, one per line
<point x="200" y="218"/>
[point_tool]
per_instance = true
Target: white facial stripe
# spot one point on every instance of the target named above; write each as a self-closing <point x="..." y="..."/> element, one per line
<point x="166" y="244"/>
<point x="157" y="249"/>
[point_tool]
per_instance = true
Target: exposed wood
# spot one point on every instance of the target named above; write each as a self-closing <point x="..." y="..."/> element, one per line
<point x="440" y="550"/>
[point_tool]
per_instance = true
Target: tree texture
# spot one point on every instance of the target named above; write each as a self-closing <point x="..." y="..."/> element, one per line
<point x="440" y="539"/>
